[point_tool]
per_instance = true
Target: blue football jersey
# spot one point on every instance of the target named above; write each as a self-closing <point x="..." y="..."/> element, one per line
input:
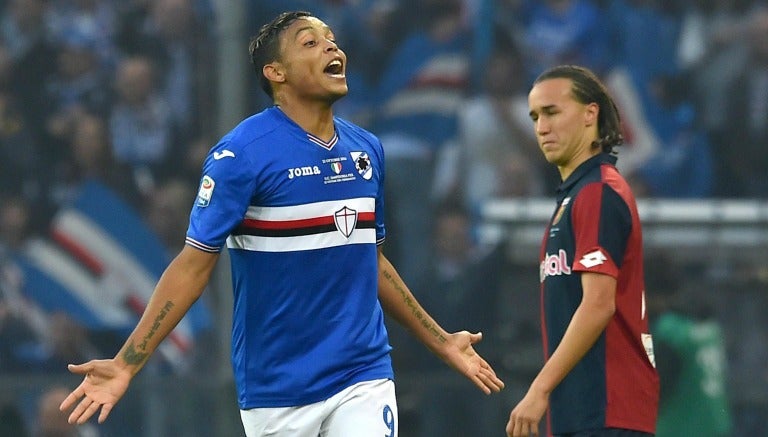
<point x="301" y="218"/>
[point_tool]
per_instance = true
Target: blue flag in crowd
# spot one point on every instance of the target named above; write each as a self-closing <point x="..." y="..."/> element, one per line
<point x="100" y="266"/>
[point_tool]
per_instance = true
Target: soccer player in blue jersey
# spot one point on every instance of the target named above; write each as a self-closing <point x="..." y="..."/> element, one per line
<point x="599" y="378"/>
<point x="295" y="194"/>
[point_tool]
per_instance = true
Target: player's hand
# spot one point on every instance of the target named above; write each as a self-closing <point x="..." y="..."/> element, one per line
<point x="104" y="384"/>
<point x="462" y="356"/>
<point x="525" y="417"/>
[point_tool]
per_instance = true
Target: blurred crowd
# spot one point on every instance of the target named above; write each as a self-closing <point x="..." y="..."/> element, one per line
<point x="123" y="92"/>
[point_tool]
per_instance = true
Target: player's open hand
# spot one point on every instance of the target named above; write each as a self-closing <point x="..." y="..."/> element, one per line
<point x="462" y="356"/>
<point x="104" y="384"/>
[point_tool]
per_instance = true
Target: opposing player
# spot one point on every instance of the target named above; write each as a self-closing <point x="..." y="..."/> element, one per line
<point x="599" y="379"/>
<point x="296" y="195"/>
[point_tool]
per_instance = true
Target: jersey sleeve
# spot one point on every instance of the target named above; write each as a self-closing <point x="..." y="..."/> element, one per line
<point x="381" y="233"/>
<point x="602" y="223"/>
<point x="225" y="191"/>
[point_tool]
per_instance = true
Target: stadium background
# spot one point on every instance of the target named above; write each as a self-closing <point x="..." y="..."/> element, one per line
<point x="108" y="106"/>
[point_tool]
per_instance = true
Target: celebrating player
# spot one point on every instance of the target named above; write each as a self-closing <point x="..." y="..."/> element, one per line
<point x="296" y="195"/>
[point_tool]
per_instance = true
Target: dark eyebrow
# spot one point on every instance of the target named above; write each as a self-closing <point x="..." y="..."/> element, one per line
<point x="326" y="28"/>
<point x="301" y="29"/>
<point x="546" y="108"/>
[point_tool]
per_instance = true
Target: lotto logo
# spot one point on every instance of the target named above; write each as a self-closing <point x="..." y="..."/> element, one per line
<point x="593" y="259"/>
<point x="554" y="265"/>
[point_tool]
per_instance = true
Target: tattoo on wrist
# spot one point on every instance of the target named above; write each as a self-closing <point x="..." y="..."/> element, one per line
<point x="137" y="354"/>
<point x="132" y="356"/>
<point x="423" y="320"/>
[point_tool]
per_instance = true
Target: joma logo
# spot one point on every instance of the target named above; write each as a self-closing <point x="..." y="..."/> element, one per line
<point x="303" y="171"/>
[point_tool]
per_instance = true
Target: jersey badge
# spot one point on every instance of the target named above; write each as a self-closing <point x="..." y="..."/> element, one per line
<point x="647" y="341"/>
<point x="205" y="192"/>
<point x="362" y="164"/>
<point x="336" y="167"/>
<point x="561" y="210"/>
<point x="346" y="220"/>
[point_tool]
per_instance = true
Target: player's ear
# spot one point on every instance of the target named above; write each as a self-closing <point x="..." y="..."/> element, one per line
<point x="274" y="72"/>
<point x="591" y="112"/>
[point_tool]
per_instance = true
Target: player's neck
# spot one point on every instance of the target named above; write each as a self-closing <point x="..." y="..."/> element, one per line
<point x="315" y="118"/>
<point x="567" y="168"/>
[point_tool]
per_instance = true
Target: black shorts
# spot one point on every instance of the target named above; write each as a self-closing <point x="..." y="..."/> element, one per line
<point x="606" y="432"/>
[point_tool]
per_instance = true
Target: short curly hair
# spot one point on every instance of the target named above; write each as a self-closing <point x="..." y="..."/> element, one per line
<point x="265" y="46"/>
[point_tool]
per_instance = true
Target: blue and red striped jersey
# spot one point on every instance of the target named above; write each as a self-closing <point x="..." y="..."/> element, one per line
<point x="596" y="228"/>
<point x="301" y="218"/>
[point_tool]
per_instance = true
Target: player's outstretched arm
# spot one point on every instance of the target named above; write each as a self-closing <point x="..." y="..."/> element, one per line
<point x="105" y="381"/>
<point x="453" y="348"/>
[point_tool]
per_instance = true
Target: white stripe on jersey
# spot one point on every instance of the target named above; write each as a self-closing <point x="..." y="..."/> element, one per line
<point x="310" y="210"/>
<point x="304" y="242"/>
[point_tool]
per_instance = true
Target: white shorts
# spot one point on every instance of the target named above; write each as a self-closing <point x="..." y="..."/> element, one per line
<point x="366" y="409"/>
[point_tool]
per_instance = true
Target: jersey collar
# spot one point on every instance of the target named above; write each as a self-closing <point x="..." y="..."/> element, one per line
<point x="328" y="145"/>
<point x="584" y="168"/>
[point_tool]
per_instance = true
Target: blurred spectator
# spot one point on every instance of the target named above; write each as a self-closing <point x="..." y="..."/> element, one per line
<point x="498" y="154"/>
<point x="24" y="34"/>
<point x="97" y="18"/>
<point x="50" y="422"/>
<point x="689" y="346"/>
<point x="713" y="50"/>
<point x="644" y="37"/>
<point x="418" y="97"/>
<point x="556" y="32"/>
<point x="15" y="223"/>
<point x="91" y="158"/>
<point x="23" y="25"/>
<point x="80" y="83"/>
<point x="141" y="125"/>
<point x="68" y="342"/>
<point x="683" y="165"/>
<point x="175" y="35"/>
<point x="22" y="325"/>
<point x="669" y="154"/>
<point x="643" y="45"/>
<point x="22" y="168"/>
<point x="742" y="154"/>
<point x="466" y="275"/>
<point x="168" y="210"/>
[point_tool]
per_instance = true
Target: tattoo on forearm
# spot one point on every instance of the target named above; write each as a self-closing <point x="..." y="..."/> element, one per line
<point x="134" y="356"/>
<point x="425" y="322"/>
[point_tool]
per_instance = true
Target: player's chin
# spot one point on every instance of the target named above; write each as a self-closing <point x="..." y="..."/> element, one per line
<point x="552" y="157"/>
<point x="337" y="92"/>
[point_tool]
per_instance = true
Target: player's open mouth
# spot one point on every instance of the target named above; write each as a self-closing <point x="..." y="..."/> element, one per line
<point x="335" y="69"/>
